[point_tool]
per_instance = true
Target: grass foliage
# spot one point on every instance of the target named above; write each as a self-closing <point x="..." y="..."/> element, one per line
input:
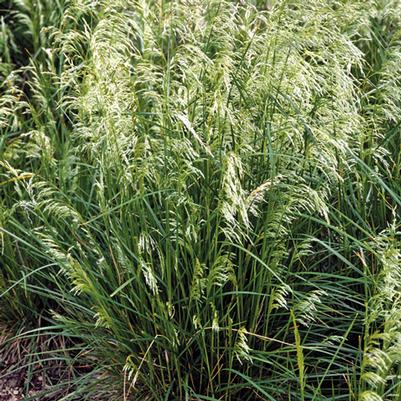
<point x="203" y="196"/>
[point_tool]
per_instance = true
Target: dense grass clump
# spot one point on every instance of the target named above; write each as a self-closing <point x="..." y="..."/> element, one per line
<point x="203" y="198"/>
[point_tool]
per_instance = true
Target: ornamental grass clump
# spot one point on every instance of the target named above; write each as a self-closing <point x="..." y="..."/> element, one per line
<point x="202" y="197"/>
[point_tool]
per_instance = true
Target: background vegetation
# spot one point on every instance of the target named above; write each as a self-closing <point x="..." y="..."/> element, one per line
<point x="202" y="198"/>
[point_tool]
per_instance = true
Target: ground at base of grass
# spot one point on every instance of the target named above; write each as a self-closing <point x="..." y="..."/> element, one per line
<point x="30" y="370"/>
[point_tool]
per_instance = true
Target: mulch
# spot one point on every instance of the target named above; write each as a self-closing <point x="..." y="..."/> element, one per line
<point x="12" y="387"/>
<point x="30" y="371"/>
